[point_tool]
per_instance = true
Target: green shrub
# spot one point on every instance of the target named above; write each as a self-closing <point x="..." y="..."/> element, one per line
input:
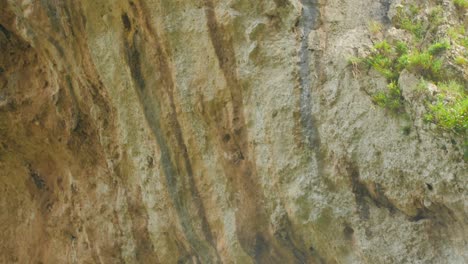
<point x="414" y="10"/>
<point x="423" y="55"/>
<point x="458" y="35"/>
<point x="462" y="61"/>
<point x="386" y="59"/>
<point x="450" y="111"/>
<point x="462" y="4"/>
<point x="455" y="32"/>
<point x="436" y="17"/>
<point x="438" y="47"/>
<point x="410" y="22"/>
<point x="464" y="42"/>
<point x="451" y="116"/>
<point x="383" y="47"/>
<point x="425" y="64"/>
<point x="391" y="99"/>
<point x="452" y="90"/>
<point x="401" y="48"/>
<point x="383" y="65"/>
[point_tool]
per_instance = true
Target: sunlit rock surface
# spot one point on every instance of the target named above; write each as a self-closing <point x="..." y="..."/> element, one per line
<point x="213" y="131"/>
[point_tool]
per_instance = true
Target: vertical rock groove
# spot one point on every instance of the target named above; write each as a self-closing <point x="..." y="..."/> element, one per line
<point x="309" y="18"/>
<point x="232" y="137"/>
<point x="239" y="165"/>
<point x="168" y="133"/>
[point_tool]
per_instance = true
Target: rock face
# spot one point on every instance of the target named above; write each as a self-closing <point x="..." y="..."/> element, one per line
<point x="214" y="131"/>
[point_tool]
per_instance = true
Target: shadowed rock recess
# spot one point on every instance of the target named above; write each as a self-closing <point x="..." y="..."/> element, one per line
<point x="213" y="131"/>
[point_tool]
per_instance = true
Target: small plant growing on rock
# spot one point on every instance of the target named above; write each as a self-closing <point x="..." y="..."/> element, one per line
<point x="450" y="110"/>
<point x="451" y="116"/>
<point x="461" y="4"/>
<point x="458" y="35"/>
<point x="390" y="99"/>
<point x="425" y="64"/>
<point x="375" y="27"/>
<point x="438" y="47"/>
<point x="408" y="20"/>
<point x="462" y="61"/>
<point x="429" y="55"/>
<point x="386" y="59"/>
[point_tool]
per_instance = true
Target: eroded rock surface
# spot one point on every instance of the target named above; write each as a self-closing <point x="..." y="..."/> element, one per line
<point x="209" y="131"/>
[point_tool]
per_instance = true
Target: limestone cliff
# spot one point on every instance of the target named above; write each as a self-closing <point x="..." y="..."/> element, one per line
<point x="213" y="131"/>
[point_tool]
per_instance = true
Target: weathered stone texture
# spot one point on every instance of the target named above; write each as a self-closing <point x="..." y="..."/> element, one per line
<point x="208" y="131"/>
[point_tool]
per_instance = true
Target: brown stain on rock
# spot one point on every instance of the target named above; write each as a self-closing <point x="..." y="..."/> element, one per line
<point x="227" y="121"/>
<point x="372" y="193"/>
<point x="55" y="123"/>
<point x="144" y="248"/>
<point x="158" y="98"/>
